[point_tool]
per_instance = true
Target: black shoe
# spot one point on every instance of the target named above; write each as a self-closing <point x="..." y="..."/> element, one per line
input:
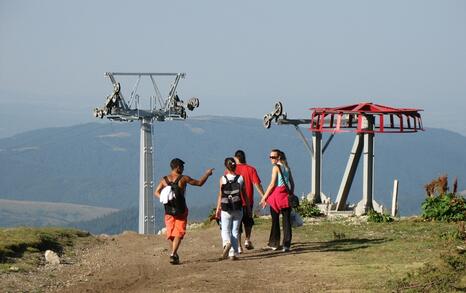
<point x="174" y="259"/>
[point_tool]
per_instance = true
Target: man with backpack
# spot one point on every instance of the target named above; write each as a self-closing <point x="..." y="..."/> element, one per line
<point x="171" y="191"/>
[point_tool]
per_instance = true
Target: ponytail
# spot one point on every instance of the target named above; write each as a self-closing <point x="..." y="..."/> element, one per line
<point x="230" y="164"/>
<point x="283" y="159"/>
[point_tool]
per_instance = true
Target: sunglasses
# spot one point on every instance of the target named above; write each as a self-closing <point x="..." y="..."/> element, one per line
<point x="273" y="157"/>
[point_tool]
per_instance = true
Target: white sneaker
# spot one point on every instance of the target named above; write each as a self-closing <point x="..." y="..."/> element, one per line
<point x="268" y="247"/>
<point x="286" y="249"/>
<point x="248" y="244"/>
<point x="234" y="257"/>
<point x="240" y="250"/>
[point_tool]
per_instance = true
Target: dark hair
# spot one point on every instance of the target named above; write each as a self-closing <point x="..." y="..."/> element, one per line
<point x="281" y="158"/>
<point x="279" y="152"/>
<point x="241" y="156"/>
<point x="230" y="164"/>
<point x="175" y="163"/>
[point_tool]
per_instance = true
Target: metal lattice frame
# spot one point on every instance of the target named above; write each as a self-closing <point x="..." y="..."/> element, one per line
<point x="160" y="109"/>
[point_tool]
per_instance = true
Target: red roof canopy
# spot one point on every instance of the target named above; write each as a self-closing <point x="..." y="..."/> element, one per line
<point x="383" y="119"/>
<point x="365" y="107"/>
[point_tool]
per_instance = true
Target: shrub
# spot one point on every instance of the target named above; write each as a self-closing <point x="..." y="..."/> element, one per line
<point x="445" y="207"/>
<point x="307" y="208"/>
<point x="375" y="217"/>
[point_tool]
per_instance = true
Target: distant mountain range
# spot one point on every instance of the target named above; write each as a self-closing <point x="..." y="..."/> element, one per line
<point x="127" y="219"/>
<point x="33" y="213"/>
<point x="98" y="163"/>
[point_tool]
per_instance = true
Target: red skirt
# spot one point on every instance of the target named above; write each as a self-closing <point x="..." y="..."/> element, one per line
<point x="278" y="199"/>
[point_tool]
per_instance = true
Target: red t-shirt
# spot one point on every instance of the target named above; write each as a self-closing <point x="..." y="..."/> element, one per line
<point x="250" y="177"/>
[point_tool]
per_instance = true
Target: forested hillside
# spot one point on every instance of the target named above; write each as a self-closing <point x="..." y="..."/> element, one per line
<point x="98" y="163"/>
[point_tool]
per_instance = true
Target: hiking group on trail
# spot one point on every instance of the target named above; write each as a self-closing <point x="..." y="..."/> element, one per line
<point x="235" y="202"/>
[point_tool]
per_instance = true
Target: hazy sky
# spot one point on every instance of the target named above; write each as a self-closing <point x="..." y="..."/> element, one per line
<point x="239" y="56"/>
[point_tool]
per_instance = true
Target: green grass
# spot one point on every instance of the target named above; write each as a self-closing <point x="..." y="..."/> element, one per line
<point x="23" y="246"/>
<point x="403" y="256"/>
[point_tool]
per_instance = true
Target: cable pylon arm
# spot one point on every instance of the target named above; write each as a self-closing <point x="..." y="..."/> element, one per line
<point x="171" y="108"/>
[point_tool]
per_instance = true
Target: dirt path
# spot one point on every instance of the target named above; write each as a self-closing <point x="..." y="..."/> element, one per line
<point x="138" y="263"/>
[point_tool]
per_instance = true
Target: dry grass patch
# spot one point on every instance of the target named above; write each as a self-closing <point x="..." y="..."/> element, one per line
<point x="23" y="246"/>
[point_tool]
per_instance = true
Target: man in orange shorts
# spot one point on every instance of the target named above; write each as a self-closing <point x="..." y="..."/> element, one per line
<point x="176" y="211"/>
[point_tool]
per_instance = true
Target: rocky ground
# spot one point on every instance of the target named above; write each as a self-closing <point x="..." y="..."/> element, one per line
<point x="362" y="260"/>
<point x="135" y="263"/>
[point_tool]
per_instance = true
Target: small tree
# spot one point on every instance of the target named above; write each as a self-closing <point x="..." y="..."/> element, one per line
<point x="437" y="187"/>
<point x="307" y="208"/>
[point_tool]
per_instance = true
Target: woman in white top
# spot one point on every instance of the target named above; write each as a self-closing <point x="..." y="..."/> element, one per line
<point x="230" y="208"/>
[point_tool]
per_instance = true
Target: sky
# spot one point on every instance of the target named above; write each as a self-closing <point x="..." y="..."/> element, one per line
<point x="239" y="56"/>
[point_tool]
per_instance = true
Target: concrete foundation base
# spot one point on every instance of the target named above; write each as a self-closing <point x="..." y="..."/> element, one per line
<point x="362" y="208"/>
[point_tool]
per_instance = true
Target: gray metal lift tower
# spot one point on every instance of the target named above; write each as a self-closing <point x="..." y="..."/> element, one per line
<point x="315" y="149"/>
<point x="160" y="109"/>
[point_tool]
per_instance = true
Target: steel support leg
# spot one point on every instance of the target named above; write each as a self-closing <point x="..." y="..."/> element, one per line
<point x="146" y="184"/>
<point x="309" y="148"/>
<point x="316" y="167"/>
<point x="350" y="171"/>
<point x="368" y="172"/>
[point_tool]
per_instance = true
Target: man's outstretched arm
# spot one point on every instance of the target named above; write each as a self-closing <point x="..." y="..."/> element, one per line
<point x="202" y="180"/>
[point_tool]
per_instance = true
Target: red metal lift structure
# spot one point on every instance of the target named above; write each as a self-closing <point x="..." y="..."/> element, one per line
<point x="365" y="119"/>
<point x="351" y="119"/>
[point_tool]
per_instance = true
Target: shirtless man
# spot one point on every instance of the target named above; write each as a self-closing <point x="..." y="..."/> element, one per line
<point x="176" y="224"/>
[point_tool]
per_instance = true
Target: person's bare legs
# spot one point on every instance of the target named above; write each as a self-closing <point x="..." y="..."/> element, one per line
<point x="175" y="245"/>
<point x="247" y="242"/>
<point x="247" y="232"/>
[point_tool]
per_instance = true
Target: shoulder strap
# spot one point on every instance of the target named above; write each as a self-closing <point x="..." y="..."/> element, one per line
<point x="178" y="179"/>
<point x="236" y="178"/>
<point x="284" y="181"/>
<point x="166" y="180"/>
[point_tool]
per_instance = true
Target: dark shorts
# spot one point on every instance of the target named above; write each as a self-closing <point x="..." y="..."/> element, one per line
<point x="246" y="221"/>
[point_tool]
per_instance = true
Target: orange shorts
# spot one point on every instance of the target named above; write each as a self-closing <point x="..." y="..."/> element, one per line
<point x="176" y="227"/>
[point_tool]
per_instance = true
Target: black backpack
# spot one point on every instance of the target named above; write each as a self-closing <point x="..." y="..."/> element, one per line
<point x="176" y="206"/>
<point x="231" y="195"/>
